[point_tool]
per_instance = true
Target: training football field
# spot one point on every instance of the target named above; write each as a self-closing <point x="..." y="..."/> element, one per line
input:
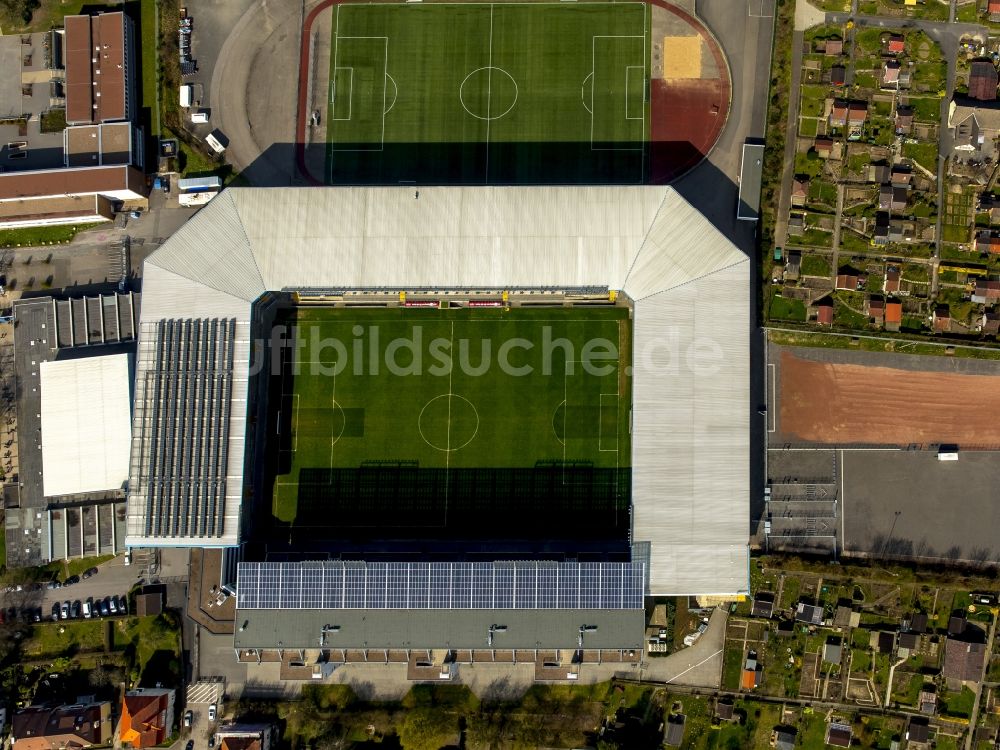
<point x="480" y="93"/>
<point x="429" y="418"/>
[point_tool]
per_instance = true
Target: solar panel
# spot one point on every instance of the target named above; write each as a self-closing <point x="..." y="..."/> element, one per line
<point x="457" y="585"/>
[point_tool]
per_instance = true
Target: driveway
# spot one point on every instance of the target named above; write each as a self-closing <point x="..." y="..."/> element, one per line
<point x="699" y="665"/>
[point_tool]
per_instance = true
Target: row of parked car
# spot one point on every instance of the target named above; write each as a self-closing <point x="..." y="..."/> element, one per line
<point x="106" y="607"/>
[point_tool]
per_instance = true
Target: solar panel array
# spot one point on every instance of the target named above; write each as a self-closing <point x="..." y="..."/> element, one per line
<point x="180" y="430"/>
<point x="455" y="585"/>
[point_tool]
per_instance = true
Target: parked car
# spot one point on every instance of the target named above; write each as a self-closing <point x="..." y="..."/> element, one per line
<point x="72" y="580"/>
<point x="36" y="615"/>
<point x="64" y="611"/>
<point x="105" y="610"/>
<point x="55" y="611"/>
<point x="188" y="718"/>
<point x="211" y="740"/>
<point x="123" y="604"/>
<point x="74" y="610"/>
<point x="89" y="572"/>
<point x="53" y="585"/>
<point x="211" y="713"/>
<point x="88" y="608"/>
<point x="113" y="604"/>
<point x="190" y="745"/>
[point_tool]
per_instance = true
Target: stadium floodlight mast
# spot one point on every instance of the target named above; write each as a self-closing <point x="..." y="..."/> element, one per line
<point x="494" y="629"/>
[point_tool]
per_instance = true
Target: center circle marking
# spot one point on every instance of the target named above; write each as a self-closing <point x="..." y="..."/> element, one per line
<point x="497" y="83"/>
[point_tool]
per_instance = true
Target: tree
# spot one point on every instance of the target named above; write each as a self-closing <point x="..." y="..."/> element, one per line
<point x="19" y="10"/>
<point x="427" y="729"/>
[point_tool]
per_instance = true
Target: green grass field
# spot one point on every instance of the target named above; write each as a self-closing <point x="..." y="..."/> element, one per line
<point x="375" y="431"/>
<point x="488" y="93"/>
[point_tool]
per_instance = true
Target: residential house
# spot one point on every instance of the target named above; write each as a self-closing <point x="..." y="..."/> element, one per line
<point x="823" y="146"/>
<point x="752" y="672"/>
<point x="880" y="234"/>
<point x="986" y="242"/>
<point x="927" y="700"/>
<point x="850" y="280"/>
<point x="878" y="173"/>
<point x="957" y="623"/>
<point x="890" y="73"/>
<point x="986" y="292"/>
<point x="963" y="662"/>
<point x="891" y="283"/>
<point x="983" y="80"/>
<point x="62" y="727"/>
<point x="147" y="717"/>
<point x="786" y="628"/>
<point x="908" y="641"/>
<point x="763" y="605"/>
<point x="904" y="120"/>
<point x="674" y="733"/>
<point x="875" y="309"/>
<point x="843" y="615"/>
<point x="993" y="8"/>
<point x="800" y="191"/>
<point x="973" y="124"/>
<point x="917" y="623"/>
<point x="857" y="113"/>
<point x="833" y="649"/>
<point x="899" y="231"/>
<point x="895" y="44"/>
<point x="989" y="324"/>
<point x="900" y="176"/>
<point x="942" y="319"/>
<point x="886" y="641"/>
<point x="838" y="735"/>
<point x="808" y="614"/>
<point x="838" y="75"/>
<point x="724" y="709"/>
<point x="833" y="47"/>
<point x="892" y="198"/>
<point x="244" y="737"/>
<point x="784" y="738"/>
<point x="838" y="114"/>
<point x="893" y="315"/>
<point x="919" y="730"/>
<point x="824" y="316"/>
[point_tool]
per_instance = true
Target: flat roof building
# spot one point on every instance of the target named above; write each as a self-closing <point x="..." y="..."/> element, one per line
<point x="86" y="424"/>
<point x="98" y="54"/>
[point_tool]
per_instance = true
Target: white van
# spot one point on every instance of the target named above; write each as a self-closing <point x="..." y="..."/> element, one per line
<point x="187" y="95"/>
<point x="214" y="142"/>
<point x="87" y="610"/>
<point x="199" y="117"/>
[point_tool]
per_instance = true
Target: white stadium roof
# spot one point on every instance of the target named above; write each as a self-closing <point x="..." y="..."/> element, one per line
<point x="86" y="424"/>
<point x="690" y="287"/>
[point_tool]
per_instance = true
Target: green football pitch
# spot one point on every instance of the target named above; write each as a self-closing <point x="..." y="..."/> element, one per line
<point x="485" y="93"/>
<point x="413" y="416"/>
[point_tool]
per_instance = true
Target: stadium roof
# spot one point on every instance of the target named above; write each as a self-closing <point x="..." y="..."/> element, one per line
<point x="86" y="424"/>
<point x="690" y="287"/>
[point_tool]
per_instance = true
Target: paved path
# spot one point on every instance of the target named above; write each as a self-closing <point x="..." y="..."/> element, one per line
<point x="837" y="219"/>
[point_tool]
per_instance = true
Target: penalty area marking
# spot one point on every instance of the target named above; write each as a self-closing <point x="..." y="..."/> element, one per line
<point x="583" y="93"/>
<point x="395" y="88"/>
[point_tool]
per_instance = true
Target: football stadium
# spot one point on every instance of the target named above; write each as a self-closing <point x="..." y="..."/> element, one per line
<point x="468" y="420"/>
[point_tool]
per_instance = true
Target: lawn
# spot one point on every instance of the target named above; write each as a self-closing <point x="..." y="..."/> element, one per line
<point x="814" y="265"/>
<point x="156" y="647"/>
<point x="488" y="93"/>
<point x="786" y="309"/>
<point x="52" y="639"/>
<point x="732" y="665"/>
<point x="925" y="154"/>
<point x="37" y="236"/>
<point x="49" y="15"/>
<point x="452" y="412"/>
<point x="150" y="63"/>
<point x="926" y="108"/>
<point x="958" y="704"/>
